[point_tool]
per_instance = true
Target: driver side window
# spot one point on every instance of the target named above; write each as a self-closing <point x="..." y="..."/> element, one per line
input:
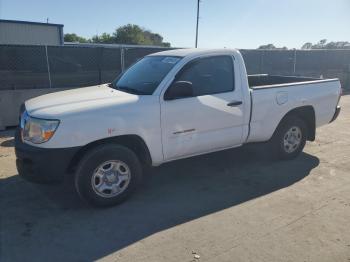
<point x="209" y="75"/>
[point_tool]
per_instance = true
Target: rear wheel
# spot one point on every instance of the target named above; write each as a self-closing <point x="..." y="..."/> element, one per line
<point x="107" y="175"/>
<point x="289" y="139"/>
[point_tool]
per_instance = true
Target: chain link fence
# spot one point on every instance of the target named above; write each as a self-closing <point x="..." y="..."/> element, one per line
<point x="23" y="67"/>
<point x="312" y="63"/>
<point x="36" y="67"/>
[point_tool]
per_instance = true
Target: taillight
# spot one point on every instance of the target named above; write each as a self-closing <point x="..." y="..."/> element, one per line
<point x="340" y="94"/>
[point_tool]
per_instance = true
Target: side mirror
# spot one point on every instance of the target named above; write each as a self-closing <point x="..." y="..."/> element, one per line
<point x="179" y="89"/>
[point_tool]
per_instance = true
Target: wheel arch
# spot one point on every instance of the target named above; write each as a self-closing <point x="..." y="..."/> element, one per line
<point x="133" y="142"/>
<point x="307" y="114"/>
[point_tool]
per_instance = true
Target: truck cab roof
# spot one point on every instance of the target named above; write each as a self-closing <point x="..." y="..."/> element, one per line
<point x="191" y="52"/>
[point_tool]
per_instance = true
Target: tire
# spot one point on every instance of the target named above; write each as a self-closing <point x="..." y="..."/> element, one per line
<point x="107" y="175"/>
<point x="289" y="138"/>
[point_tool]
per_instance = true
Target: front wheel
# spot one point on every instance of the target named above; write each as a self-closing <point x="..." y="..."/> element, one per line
<point x="289" y="139"/>
<point x="107" y="175"/>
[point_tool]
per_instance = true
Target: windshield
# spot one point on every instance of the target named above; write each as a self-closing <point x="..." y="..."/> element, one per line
<point x="145" y="76"/>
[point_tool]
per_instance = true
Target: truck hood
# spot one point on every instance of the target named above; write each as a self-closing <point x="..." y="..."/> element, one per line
<point x="56" y="104"/>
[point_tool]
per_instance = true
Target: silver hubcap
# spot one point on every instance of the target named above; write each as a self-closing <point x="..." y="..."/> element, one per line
<point x="111" y="178"/>
<point x="292" y="139"/>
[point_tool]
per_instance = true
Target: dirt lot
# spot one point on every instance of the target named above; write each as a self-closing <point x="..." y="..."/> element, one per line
<point x="229" y="206"/>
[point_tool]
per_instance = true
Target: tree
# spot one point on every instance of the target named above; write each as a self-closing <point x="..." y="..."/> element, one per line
<point x="131" y="34"/>
<point x="307" y="45"/>
<point x="127" y="34"/>
<point x="74" y="38"/>
<point x="271" y="46"/>
<point x="268" y="46"/>
<point x="338" y="45"/>
<point x="322" y="44"/>
<point x="104" y="38"/>
<point x="134" y="34"/>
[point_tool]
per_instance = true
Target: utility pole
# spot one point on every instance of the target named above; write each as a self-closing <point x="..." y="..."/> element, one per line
<point x="197" y="23"/>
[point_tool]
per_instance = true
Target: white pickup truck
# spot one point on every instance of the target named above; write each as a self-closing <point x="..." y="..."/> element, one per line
<point x="169" y="105"/>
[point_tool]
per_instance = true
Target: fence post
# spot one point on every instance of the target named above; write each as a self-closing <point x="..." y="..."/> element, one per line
<point x="100" y="57"/>
<point x="347" y="83"/>
<point x="295" y="61"/>
<point x="48" y="66"/>
<point x="122" y="58"/>
<point x="262" y="62"/>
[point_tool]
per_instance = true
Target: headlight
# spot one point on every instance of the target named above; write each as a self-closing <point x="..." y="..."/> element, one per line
<point x="37" y="130"/>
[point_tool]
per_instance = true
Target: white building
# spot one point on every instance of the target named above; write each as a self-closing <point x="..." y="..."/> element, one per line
<point x="30" y="33"/>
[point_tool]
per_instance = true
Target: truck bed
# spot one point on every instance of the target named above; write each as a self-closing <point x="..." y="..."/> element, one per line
<point x="272" y="81"/>
<point x="274" y="96"/>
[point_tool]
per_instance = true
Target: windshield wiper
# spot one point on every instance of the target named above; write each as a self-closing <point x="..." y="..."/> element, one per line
<point x="130" y="90"/>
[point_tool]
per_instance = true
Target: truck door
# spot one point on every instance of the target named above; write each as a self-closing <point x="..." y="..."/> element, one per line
<point x="212" y="118"/>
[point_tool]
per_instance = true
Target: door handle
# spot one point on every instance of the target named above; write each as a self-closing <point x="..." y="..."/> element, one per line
<point x="234" y="103"/>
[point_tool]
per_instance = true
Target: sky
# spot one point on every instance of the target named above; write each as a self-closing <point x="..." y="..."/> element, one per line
<point x="223" y="23"/>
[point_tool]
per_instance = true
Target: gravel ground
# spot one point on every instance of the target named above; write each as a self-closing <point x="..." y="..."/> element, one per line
<point x="228" y="206"/>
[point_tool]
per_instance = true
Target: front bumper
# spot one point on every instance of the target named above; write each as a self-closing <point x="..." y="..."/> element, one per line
<point x="42" y="164"/>
<point x="336" y="114"/>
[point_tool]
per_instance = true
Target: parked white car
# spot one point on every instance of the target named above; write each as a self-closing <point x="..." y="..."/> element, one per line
<point x="169" y="105"/>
